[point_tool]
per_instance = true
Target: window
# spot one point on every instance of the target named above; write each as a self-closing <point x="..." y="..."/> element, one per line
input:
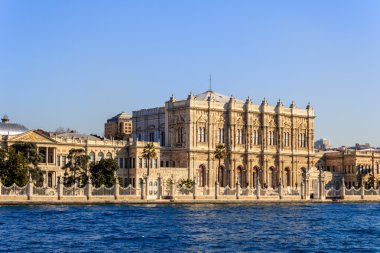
<point x="161" y="163"/>
<point x="303" y="140"/>
<point x="167" y="163"/>
<point x="121" y="164"/>
<point x="286" y="139"/>
<point x="151" y="136"/>
<point x="100" y="156"/>
<point x="140" y="163"/>
<point x="220" y="135"/>
<point x="173" y="163"/>
<point x="255" y="137"/>
<point x="109" y="155"/>
<point x="58" y="160"/>
<point x="50" y="180"/>
<point x="162" y="139"/>
<point x="202" y="134"/>
<point x="272" y="140"/>
<point x="92" y="157"/>
<point x="239" y="136"/>
<point x="155" y="163"/>
<point x="179" y="135"/>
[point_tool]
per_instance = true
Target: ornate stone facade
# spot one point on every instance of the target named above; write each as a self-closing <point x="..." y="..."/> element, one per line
<point x="274" y="143"/>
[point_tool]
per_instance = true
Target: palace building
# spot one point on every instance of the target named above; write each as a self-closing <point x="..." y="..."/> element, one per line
<point x="271" y="143"/>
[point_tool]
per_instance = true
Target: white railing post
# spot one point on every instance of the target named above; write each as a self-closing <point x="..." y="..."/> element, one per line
<point x="194" y="189"/>
<point x="30" y="188"/>
<point x="59" y="188"/>
<point x="89" y="189"/>
<point x="280" y="192"/>
<point x="172" y="190"/>
<point x="159" y="190"/>
<point x="216" y="189"/>
<point x="362" y="189"/>
<point x="117" y="189"/>
<point x="258" y="188"/>
<point x="343" y="194"/>
<point x="237" y="190"/>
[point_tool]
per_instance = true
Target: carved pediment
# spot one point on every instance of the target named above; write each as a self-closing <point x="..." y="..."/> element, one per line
<point x="31" y="136"/>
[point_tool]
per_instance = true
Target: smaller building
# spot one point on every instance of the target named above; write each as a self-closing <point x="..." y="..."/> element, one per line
<point x="322" y="144"/>
<point x="119" y="127"/>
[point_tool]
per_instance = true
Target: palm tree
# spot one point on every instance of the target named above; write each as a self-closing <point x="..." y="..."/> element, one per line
<point x="149" y="153"/>
<point x="219" y="153"/>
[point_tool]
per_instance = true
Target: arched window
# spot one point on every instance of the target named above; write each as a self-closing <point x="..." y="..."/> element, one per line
<point x="100" y="156"/>
<point x="92" y="157"/>
<point x="109" y="155"/>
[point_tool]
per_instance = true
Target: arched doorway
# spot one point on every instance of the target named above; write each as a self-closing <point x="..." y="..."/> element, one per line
<point x="221" y="175"/>
<point x="202" y="176"/>
<point x="287" y="177"/>
<point x="241" y="176"/>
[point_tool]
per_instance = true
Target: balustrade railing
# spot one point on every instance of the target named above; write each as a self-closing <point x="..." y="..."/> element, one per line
<point x="103" y="191"/>
<point x="14" y="190"/>
<point x="127" y="191"/>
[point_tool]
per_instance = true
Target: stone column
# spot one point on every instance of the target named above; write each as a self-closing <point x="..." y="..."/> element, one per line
<point x="343" y="194"/>
<point x="237" y="189"/>
<point x="117" y="189"/>
<point x="216" y="189"/>
<point x="89" y="189"/>
<point x="194" y="189"/>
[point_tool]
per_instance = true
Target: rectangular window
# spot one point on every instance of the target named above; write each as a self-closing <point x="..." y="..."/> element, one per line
<point x="151" y="136"/>
<point x="161" y="164"/>
<point x="173" y="163"/>
<point x="145" y="163"/>
<point x="126" y="163"/>
<point x="121" y="163"/>
<point x="140" y="163"/>
<point x="167" y="163"/>
<point x="155" y="163"/>
<point x="162" y="139"/>
<point x="58" y="160"/>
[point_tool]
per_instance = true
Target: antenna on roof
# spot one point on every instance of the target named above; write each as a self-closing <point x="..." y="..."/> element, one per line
<point x="210" y="83"/>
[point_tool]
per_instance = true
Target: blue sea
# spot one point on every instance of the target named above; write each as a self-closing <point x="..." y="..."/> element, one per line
<point x="191" y="228"/>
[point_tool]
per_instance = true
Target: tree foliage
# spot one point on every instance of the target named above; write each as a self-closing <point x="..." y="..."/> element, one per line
<point x="103" y="172"/>
<point x="149" y="153"/>
<point x="76" y="168"/>
<point x="16" y="163"/>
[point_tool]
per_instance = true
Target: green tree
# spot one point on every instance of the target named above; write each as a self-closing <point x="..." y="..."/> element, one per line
<point x="219" y="153"/>
<point x="29" y="151"/>
<point x="14" y="168"/>
<point x="76" y="168"/>
<point x="149" y="153"/>
<point x="103" y="172"/>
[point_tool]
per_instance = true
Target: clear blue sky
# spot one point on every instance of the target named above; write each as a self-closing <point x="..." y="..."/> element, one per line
<point x="76" y="63"/>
